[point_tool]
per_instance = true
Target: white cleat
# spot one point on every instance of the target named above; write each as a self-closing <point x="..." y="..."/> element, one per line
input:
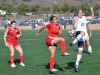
<point x="53" y="70"/>
<point x="22" y="64"/>
<point x="13" y="65"/>
<point x="65" y="54"/>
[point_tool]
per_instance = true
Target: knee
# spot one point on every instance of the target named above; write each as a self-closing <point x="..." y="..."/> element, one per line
<point x="52" y="55"/>
<point x="83" y="33"/>
<point x="21" y="53"/>
<point x="80" y="50"/>
<point x="12" y="53"/>
<point x="63" y="39"/>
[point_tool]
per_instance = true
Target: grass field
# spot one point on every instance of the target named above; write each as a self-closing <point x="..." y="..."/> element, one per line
<point x="37" y="56"/>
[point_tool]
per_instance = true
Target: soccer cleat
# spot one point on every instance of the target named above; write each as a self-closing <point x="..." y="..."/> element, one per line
<point x="76" y="68"/>
<point x="65" y="54"/>
<point x="13" y="65"/>
<point x="70" y="43"/>
<point x="53" y="70"/>
<point x="22" y="64"/>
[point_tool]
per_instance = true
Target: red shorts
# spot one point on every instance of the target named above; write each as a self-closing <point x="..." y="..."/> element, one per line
<point x="49" y="41"/>
<point x="14" y="43"/>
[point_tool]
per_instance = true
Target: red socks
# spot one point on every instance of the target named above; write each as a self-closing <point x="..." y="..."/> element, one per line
<point x="11" y="59"/>
<point x="21" y="58"/>
<point x="63" y="46"/>
<point x="51" y="62"/>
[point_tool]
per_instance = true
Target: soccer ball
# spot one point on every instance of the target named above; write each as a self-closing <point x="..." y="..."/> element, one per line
<point x="71" y="33"/>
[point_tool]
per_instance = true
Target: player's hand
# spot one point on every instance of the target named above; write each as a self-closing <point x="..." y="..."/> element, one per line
<point x="6" y="44"/>
<point x="77" y="18"/>
<point x="60" y="25"/>
<point x="17" y="36"/>
<point x="37" y="34"/>
<point x="91" y="8"/>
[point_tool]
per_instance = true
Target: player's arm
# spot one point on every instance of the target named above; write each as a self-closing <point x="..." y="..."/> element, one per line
<point x="75" y="22"/>
<point x="19" y="33"/>
<point x="92" y="14"/>
<point x="38" y="32"/>
<point x="61" y="30"/>
<point x="90" y="31"/>
<point x="5" y="40"/>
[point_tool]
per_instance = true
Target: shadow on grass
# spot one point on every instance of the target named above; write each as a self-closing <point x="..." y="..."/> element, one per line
<point x="55" y="66"/>
<point x="70" y="65"/>
<point x="15" y="61"/>
<point x="84" y="51"/>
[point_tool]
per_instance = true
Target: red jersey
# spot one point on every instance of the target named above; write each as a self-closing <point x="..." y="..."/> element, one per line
<point x="11" y="33"/>
<point x="53" y="30"/>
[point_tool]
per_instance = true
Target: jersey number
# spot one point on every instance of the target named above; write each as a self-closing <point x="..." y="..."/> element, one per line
<point x="83" y="24"/>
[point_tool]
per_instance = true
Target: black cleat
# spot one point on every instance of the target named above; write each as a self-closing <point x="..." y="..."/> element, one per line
<point x="76" y="68"/>
<point x="70" y="43"/>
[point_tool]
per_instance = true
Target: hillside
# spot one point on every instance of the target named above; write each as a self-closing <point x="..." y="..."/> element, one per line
<point x="49" y="2"/>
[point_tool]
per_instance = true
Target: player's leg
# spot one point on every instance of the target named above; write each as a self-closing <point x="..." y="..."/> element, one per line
<point x="88" y="46"/>
<point x="62" y="44"/>
<point x="52" y="58"/>
<point x="79" y="55"/>
<point x="11" y="48"/>
<point x="79" y="35"/>
<point x="19" y="49"/>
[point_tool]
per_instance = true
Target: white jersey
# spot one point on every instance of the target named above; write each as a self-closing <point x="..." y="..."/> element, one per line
<point x="81" y="24"/>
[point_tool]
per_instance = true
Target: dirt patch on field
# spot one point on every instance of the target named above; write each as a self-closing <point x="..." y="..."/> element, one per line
<point x="92" y="26"/>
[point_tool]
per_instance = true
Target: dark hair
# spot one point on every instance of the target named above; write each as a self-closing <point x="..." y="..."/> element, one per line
<point x="13" y="22"/>
<point x="79" y="10"/>
<point x="51" y="18"/>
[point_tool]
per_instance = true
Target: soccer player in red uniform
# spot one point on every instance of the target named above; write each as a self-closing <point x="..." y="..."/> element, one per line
<point x="52" y="39"/>
<point x="13" y="33"/>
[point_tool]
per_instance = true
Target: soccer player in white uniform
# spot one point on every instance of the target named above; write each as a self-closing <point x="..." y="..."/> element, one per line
<point x="80" y="28"/>
<point x="87" y="41"/>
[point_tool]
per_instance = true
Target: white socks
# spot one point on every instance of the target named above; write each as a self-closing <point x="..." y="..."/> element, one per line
<point x="77" y="38"/>
<point x="78" y="59"/>
<point x="89" y="48"/>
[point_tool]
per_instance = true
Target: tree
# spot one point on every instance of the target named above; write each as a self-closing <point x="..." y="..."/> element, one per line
<point x="73" y="9"/>
<point x="35" y="8"/>
<point x="65" y="7"/>
<point x="23" y="8"/>
<point x="56" y="8"/>
<point x="7" y="7"/>
<point x="45" y="9"/>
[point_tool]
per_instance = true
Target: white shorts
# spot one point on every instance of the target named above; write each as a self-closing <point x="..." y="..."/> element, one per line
<point x="85" y="37"/>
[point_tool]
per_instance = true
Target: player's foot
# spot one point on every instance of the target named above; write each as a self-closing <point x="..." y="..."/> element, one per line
<point x="90" y="52"/>
<point x="13" y="65"/>
<point x="53" y="70"/>
<point x="70" y="43"/>
<point x="22" y="64"/>
<point x="76" y="68"/>
<point x="65" y="54"/>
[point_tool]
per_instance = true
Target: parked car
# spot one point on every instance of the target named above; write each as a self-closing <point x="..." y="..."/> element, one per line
<point x="45" y="21"/>
<point x="93" y="22"/>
